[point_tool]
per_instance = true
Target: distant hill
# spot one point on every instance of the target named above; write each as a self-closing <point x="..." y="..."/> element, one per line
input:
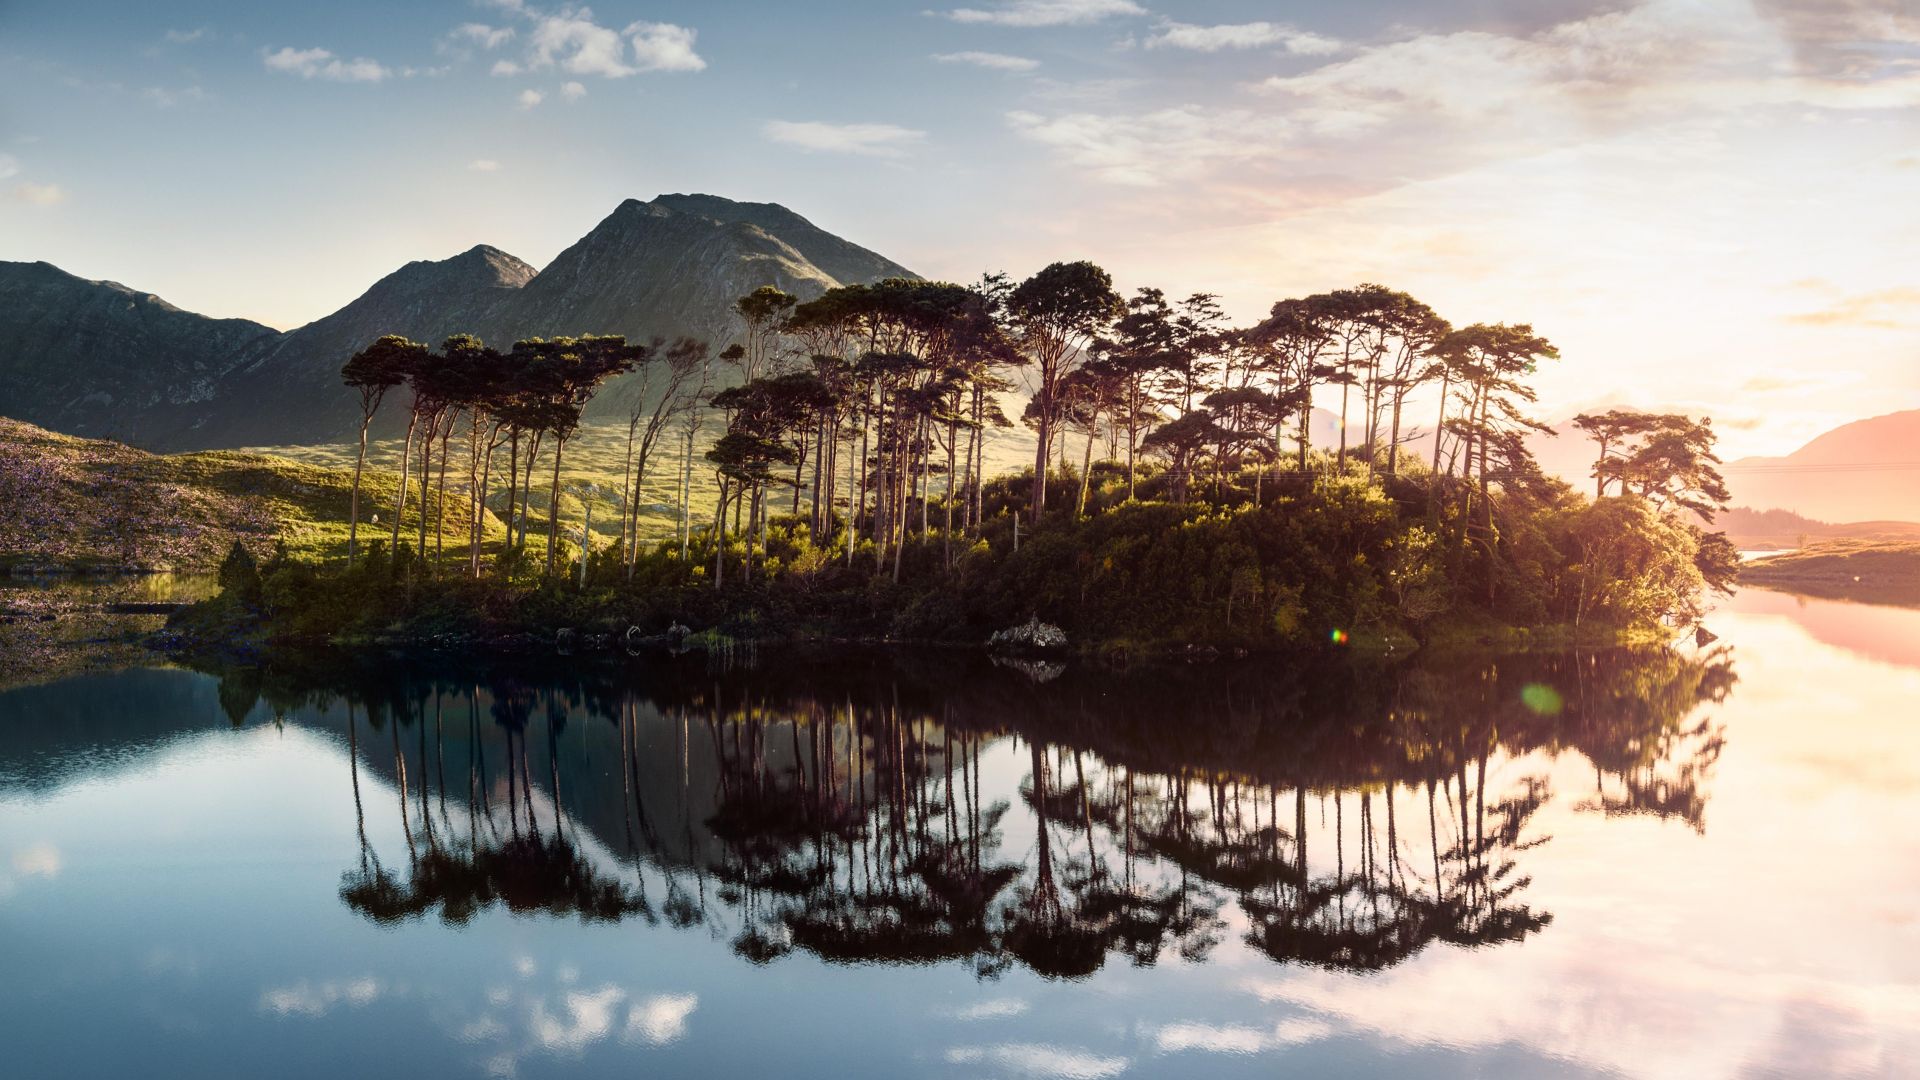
<point x="1760" y="529"/>
<point x="76" y="503"/>
<point x="1868" y="470"/>
<point x="1875" y="573"/>
<point x="97" y="358"/>
<point x="1851" y="481"/>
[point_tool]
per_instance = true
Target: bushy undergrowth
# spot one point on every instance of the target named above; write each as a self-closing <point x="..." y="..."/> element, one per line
<point x="1345" y="559"/>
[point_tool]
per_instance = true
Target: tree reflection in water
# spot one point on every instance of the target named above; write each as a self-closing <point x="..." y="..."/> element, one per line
<point x="1354" y="812"/>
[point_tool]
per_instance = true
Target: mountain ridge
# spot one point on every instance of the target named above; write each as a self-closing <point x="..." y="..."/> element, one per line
<point x="139" y="369"/>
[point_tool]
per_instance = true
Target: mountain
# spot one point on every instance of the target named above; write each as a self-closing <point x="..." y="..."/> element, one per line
<point x="98" y="358"/>
<point x="1868" y="470"/>
<point x="676" y="265"/>
<point x="426" y="301"/>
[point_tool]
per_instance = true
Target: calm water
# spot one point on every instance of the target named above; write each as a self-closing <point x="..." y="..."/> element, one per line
<point x="1688" y="865"/>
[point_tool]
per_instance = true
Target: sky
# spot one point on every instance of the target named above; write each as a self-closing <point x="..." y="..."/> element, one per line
<point x="1708" y="205"/>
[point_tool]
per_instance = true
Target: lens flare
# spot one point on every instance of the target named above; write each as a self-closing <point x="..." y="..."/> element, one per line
<point x="1337" y="636"/>
<point x="1544" y="700"/>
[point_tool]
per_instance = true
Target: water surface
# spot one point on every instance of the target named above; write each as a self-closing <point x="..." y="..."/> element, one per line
<point x="1685" y="864"/>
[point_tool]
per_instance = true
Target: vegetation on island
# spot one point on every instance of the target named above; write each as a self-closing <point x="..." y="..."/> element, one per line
<point x="1176" y="494"/>
<point x="1883" y="572"/>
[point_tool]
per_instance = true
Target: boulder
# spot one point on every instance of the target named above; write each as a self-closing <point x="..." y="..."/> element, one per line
<point x="1030" y="637"/>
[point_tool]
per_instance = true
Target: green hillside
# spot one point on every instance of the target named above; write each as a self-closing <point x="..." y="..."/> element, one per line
<point x="90" y="504"/>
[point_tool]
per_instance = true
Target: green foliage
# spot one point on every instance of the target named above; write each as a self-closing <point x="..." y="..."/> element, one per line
<point x="240" y="575"/>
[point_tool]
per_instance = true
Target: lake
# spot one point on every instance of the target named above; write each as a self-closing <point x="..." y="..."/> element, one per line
<point x="1689" y="863"/>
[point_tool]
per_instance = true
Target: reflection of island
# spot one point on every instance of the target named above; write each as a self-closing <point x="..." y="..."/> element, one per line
<point x="1355" y="813"/>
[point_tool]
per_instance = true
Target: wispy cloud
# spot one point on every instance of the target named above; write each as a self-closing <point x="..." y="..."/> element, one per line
<point x="991" y="1009"/>
<point x="573" y="91"/>
<point x="1429" y="105"/>
<point x="185" y="37"/>
<point x="530" y="98"/>
<point x="317" y="999"/>
<point x="1886" y="309"/>
<point x="38" y="194"/>
<point x="1156" y="148"/>
<point x="1253" y="35"/>
<point x="1239" y="1038"/>
<point x="483" y="165"/>
<point x="868" y="140"/>
<point x="1039" y="1060"/>
<point x="993" y="60"/>
<point x="319" y="63"/>
<point x="1849" y="39"/>
<point x="486" y="37"/>
<point x="167" y="98"/>
<point x="1028" y="13"/>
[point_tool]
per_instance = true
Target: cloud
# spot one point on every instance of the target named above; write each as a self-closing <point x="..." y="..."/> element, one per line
<point x="487" y="37"/>
<point x="579" y="45"/>
<point x="1156" y="148"/>
<point x="308" y="999"/>
<point x="38" y="860"/>
<point x="1239" y="1038"/>
<point x="483" y="165"/>
<point x="1881" y="310"/>
<point x="1253" y="35"/>
<point x="1428" y="105"/>
<point x="992" y="1009"/>
<point x="1029" y="13"/>
<point x="1033" y="1059"/>
<point x="39" y="194"/>
<point x="322" y="64"/>
<point x="660" y="1019"/>
<point x="9" y="166"/>
<point x="994" y="60"/>
<point x="572" y="41"/>
<point x="588" y="1019"/>
<point x="185" y="37"/>
<point x="1849" y="39"/>
<point x="530" y="98"/>
<point x="506" y="68"/>
<point x="166" y="98"/>
<point x="573" y="91"/>
<point x="869" y="140"/>
<point x="664" y="47"/>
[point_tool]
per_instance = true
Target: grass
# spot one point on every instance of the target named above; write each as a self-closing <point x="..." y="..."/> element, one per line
<point x="96" y="505"/>
<point x="1876" y="572"/>
<point x="597" y="455"/>
<point x="88" y="504"/>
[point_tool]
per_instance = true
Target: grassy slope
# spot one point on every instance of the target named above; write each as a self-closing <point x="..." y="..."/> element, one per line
<point x="92" y="504"/>
<point x="597" y="455"/>
<point x="1874" y="572"/>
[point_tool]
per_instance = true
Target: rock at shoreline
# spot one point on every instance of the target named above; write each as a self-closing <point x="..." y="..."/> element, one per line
<point x="1033" y="636"/>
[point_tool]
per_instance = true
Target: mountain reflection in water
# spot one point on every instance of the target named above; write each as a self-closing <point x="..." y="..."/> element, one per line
<point x="1353" y="812"/>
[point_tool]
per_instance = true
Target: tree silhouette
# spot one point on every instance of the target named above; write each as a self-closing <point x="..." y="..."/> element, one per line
<point x="1057" y="313"/>
<point x="372" y="372"/>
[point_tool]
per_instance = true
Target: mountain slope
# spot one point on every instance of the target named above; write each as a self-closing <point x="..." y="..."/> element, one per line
<point x="841" y="259"/>
<point x="651" y="270"/>
<point x="1868" y="470"/>
<point x="174" y="380"/>
<point x="98" y="358"/>
<point x="426" y="300"/>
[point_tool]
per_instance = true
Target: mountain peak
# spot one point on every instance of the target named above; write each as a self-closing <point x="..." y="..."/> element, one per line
<point x="844" y="261"/>
<point x="662" y="268"/>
